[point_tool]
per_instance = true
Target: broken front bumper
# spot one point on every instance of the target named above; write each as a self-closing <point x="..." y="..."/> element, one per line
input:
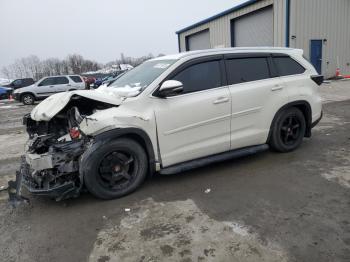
<point x="25" y="178"/>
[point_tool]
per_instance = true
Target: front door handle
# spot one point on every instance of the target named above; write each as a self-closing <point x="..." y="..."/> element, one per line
<point x="276" y="88"/>
<point x="221" y="100"/>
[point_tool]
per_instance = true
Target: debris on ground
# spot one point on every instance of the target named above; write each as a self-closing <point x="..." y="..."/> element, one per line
<point x="207" y="191"/>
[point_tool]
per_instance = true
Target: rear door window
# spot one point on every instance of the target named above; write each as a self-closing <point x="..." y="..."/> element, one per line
<point x="198" y="77"/>
<point x="287" y="66"/>
<point x="241" y="70"/>
<point x="61" y="80"/>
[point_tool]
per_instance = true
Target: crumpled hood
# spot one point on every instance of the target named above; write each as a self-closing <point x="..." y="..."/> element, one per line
<point x="52" y="105"/>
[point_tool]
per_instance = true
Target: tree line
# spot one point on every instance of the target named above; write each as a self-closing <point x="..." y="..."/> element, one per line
<point x="35" y="68"/>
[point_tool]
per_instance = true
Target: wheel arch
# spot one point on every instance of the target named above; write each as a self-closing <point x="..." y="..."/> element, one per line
<point x="26" y="93"/>
<point x="136" y="134"/>
<point x="304" y="107"/>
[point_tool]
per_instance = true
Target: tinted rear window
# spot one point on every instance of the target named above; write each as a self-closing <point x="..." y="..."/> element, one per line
<point x="76" y="79"/>
<point x="240" y="70"/>
<point x="200" y="77"/>
<point x="287" y="66"/>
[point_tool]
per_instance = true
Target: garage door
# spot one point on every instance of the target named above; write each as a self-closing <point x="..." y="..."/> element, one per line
<point x="198" y="41"/>
<point x="255" y="29"/>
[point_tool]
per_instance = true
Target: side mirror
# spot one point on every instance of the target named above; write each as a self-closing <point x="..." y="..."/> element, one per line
<point x="170" y="87"/>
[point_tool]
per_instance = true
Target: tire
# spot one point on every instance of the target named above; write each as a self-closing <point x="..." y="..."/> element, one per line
<point x="28" y="99"/>
<point x="288" y="130"/>
<point x="106" y="174"/>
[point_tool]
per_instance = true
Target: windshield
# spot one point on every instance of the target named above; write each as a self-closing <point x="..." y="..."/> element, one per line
<point x="142" y="76"/>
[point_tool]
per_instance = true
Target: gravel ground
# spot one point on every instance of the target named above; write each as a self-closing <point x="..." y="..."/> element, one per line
<point x="266" y="207"/>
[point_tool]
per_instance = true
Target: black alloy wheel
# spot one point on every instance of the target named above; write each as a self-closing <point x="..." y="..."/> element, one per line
<point x="113" y="169"/>
<point x="288" y="130"/>
<point x="117" y="170"/>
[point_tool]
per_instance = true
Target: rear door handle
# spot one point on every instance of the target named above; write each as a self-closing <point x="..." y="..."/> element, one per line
<point x="221" y="100"/>
<point x="276" y="88"/>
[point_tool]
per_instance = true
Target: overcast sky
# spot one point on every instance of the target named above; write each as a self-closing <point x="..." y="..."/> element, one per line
<point x="97" y="29"/>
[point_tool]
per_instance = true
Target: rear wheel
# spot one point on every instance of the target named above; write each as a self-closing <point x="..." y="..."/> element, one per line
<point x="115" y="169"/>
<point x="288" y="130"/>
<point x="28" y="99"/>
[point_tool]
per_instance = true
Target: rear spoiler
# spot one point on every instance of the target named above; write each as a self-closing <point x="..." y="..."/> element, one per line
<point x="318" y="79"/>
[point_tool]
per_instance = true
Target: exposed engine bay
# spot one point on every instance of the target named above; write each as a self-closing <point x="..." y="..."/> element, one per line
<point x="53" y="153"/>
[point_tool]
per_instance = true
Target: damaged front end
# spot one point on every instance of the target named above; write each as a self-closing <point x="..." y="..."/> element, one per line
<point x="51" y="162"/>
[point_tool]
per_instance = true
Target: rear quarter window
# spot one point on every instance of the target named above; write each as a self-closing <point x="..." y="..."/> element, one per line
<point x="288" y="66"/>
<point x="76" y="79"/>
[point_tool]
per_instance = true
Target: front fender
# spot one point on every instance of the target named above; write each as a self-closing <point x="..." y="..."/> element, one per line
<point x="137" y="134"/>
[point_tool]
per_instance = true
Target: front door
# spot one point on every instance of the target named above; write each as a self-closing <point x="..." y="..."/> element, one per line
<point x="46" y="87"/>
<point x="195" y="123"/>
<point x="316" y="55"/>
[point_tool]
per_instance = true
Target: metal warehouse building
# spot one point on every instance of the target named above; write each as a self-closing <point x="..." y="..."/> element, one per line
<point x="320" y="27"/>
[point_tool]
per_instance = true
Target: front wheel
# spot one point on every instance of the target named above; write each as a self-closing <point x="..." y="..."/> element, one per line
<point x="28" y="99"/>
<point x="115" y="169"/>
<point x="288" y="130"/>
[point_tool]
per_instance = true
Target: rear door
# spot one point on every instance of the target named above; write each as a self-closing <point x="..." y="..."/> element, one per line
<point x="292" y="74"/>
<point x="62" y="84"/>
<point x="256" y="93"/>
<point x="316" y="55"/>
<point x="77" y="82"/>
<point x="195" y="123"/>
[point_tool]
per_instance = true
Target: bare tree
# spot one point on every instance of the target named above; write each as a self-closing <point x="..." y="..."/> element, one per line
<point x="6" y="72"/>
<point x="32" y="66"/>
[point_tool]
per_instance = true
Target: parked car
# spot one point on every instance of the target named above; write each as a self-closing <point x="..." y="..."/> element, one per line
<point x="110" y="80"/>
<point x="19" y="83"/>
<point x="48" y="86"/>
<point x="5" y="92"/>
<point x="168" y="115"/>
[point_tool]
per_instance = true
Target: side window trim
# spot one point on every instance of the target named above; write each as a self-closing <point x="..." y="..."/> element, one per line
<point x="272" y="67"/>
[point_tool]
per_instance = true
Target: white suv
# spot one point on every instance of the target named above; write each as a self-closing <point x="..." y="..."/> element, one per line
<point x="48" y="86"/>
<point x="168" y="115"/>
